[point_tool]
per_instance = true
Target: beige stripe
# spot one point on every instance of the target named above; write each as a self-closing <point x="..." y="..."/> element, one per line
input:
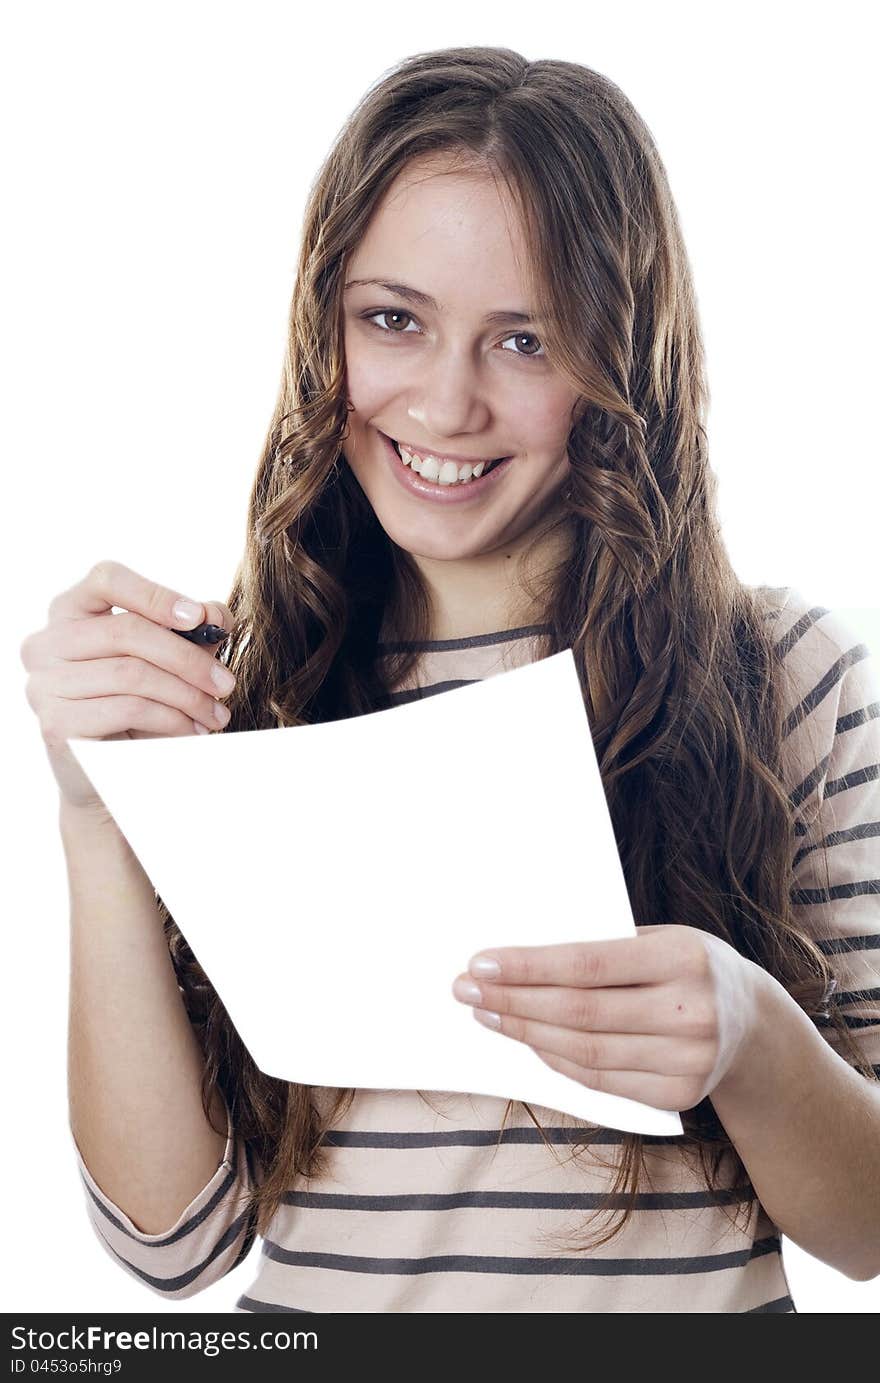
<point x="476" y="662"/>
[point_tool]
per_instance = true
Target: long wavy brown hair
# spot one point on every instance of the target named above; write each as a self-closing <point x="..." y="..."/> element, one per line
<point x="675" y="655"/>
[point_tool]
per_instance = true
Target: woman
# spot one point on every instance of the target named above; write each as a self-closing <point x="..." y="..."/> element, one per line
<point x="489" y="446"/>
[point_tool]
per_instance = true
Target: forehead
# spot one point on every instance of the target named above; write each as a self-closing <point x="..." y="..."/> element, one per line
<point x="445" y="230"/>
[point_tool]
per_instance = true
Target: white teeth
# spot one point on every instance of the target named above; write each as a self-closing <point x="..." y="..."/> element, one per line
<point x="441" y="472"/>
<point x="448" y="473"/>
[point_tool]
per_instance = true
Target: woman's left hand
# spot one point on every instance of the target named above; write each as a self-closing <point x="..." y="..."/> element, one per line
<point x="660" y="1017"/>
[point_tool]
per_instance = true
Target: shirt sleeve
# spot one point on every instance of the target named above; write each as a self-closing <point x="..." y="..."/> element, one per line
<point x="835" y="725"/>
<point x="211" y="1236"/>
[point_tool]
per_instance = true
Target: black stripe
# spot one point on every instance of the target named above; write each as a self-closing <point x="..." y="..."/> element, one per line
<point x="857" y="996"/>
<point x="781" y="1304"/>
<point x="850" y="1020"/>
<point x="845" y="722"/>
<point x="799" y="629"/>
<point x="434" y="689"/>
<point x="476" y="1138"/>
<point x="474" y="641"/>
<point x="855" y="779"/>
<point x="833" y="786"/>
<point x="832" y="946"/>
<point x="804" y="897"/>
<point x="539" y="1267"/>
<point x="247" y="1243"/>
<point x="519" y="1200"/>
<point x="824" y="686"/>
<point x="251" y="1304"/>
<point x="173" y="1284"/>
<point x="854" y="718"/>
<point x="805" y="788"/>
<point x="251" y="1234"/>
<point x="186" y="1228"/>
<point x="864" y="831"/>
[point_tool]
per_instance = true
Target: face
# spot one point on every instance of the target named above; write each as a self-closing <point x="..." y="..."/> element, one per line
<point x="450" y="361"/>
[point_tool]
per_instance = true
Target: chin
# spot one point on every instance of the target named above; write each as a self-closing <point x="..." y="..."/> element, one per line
<point x="418" y="541"/>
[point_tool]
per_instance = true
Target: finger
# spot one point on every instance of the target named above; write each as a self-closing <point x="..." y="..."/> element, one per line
<point x="125" y="636"/>
<point x="98" y="680"/>
<point x="660" y="1092"/>
<point x="218" y="613"/>
<point x="621" y="1051"/>
<point x="640" y="959"/>
<point x="110" y="584"/>
<point x="662" y="1008"/>
<point x="128" y="717"/>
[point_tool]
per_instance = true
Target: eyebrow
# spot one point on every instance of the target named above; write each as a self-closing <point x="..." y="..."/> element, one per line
<point x="414" y="295"/>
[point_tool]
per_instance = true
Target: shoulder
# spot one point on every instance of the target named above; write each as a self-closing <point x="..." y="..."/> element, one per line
<point x="831" y="690"/>
<point x="815" y="641"/>
<point x="811" y="634"/>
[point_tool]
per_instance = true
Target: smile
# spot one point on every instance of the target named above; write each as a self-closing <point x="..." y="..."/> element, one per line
<point x="444" y="470"/>
<point x="443" y="478"/>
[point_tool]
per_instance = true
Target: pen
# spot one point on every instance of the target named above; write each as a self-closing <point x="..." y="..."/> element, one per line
<point x="203" y="633"/>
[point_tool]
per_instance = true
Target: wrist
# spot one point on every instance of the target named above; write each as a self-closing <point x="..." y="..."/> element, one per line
<point x="766" y="1001"/>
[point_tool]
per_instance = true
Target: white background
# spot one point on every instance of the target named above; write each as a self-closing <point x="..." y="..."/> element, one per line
<point x="156" y="162"/>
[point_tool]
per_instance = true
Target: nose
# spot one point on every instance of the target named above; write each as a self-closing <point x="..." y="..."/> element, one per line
<point x="448" y="396"/>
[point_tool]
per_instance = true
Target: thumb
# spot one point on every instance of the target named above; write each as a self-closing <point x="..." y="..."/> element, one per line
<point x="218" y="613"/>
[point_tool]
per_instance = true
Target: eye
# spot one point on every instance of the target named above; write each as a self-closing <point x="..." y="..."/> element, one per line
<point x="388" y="312"/>
<point x="526" y="336"/>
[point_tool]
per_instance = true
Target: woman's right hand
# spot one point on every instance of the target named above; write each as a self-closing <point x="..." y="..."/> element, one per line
<point x="99" y="675"/>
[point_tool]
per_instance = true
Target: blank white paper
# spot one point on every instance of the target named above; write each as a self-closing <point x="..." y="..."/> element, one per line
<point x="366" y="860"/>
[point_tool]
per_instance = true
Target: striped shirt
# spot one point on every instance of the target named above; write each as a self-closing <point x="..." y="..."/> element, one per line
<point x="424" y="1210"/>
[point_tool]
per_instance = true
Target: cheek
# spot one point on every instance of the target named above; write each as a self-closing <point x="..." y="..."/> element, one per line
<point x="555" y="473"/>
<point x="540" y="418"/>
<point x="551" y="416"/>
<point x="544" y="476"/>
<point x="367" y="380"/>
<point x="547" y="453"/>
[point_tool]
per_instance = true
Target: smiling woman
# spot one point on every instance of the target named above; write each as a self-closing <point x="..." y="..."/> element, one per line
<point x="736" y="729"/>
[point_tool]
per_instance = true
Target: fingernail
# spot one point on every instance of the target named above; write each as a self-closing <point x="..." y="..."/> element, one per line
<point x="468" y="991"/>
<point x="484" y="967"/>
<point x="185" y="611"/>
<point x="489" y="1020"/>
<point x="222" y="678"/>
